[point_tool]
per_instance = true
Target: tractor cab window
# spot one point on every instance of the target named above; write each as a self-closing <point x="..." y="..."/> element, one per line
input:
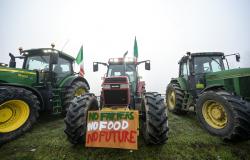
<point x="62" y="68"/>
<point x="184" y="69"/>
<point x="121" y="70"/>
<point x="38" y="63"/>
<point x="208" y="64"/>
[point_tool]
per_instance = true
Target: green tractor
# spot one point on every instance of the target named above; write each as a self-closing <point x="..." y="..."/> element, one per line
<point x="220" y="96"/>
<point x="45" y="83"/>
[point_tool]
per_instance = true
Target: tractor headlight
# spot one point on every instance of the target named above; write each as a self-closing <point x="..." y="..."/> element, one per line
<point x="106" y="86"/>
<point x="124" y="86"/>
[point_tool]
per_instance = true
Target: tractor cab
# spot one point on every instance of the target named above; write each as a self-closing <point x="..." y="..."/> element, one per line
<point x="194" y="68"/>
<point x="122" y="75"/>
<point x="51" y="65"/>
<point x="128" y="68"/>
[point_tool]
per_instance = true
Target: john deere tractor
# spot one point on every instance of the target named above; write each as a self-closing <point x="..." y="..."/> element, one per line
<point x="46" y="83"/>
<point x="220" y="96"/>
<point x="121" y="89"/>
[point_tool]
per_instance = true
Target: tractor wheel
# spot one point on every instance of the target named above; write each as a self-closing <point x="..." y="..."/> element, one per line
<point x="76" y="117"/>
<point x="18" y="112"/>
<point x="174" y="98"/>
<point x="78" y="88"/>
<point x="224" y="115"/>
<point x="154" y="119"/>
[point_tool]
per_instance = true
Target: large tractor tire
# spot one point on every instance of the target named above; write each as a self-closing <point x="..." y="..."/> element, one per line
<point x="154" y="119"/>
<point x="18" y="112"/>
<point x="174" y="98"/>
<point x="76" y="117"/>
<point x="224" y="115"/>
<point x="78" y="88"/>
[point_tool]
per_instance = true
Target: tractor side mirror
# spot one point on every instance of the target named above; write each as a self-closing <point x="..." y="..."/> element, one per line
<point x="237" y="56"/>
<point x="12" y="63"/>
<point x="147" y="65"/>
<point x="95" y="66"/>
<point x="54" y="58"/>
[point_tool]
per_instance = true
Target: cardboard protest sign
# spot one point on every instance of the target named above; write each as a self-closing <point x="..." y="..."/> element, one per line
<point x="112" y="129"/>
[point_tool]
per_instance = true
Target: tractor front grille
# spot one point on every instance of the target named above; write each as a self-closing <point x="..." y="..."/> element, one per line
<point x="116" y="80"/>
<point x="116" y="97"/>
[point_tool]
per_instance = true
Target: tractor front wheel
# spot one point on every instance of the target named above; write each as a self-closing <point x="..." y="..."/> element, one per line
<point x="224" y="115"/>
<point x="154" y="119"/>
<point x="18" y="112"/>
<point x="78" y="88"/>
<point x="174" y="98"/>
<point x="76" y="117"/>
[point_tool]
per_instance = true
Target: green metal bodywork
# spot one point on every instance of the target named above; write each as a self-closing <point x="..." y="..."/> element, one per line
<point x="15" y="75"/>
<point x="234" y="80"/>
<point x="181" y="81"/>
<point x="29" y="80"/>
<point x="50" y="92"/>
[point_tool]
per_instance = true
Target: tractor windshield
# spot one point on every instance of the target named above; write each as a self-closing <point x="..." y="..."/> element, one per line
<point x="121" y="70"/>
<point x="37" y="63"/>
<point x="207" y="64"/>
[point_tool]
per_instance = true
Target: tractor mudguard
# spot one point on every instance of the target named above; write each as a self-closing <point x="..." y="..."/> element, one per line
<point x="181" y="81"/>
<point x="212" y="87"/>
<point x="69" y="80"/>
<point x="35" y="91"/>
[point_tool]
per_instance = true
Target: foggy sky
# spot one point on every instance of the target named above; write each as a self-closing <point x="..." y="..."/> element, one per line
<point x="165" y="30"/>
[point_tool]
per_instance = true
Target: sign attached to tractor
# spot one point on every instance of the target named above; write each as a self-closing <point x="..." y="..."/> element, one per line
<point x="112" y="129"/>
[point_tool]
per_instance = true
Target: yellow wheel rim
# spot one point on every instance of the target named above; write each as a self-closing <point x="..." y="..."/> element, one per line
<point x="80" y="91"/>
<point x="13" y="114"/>
<point x="214" y="114"/>
<point x="171" y="99"/>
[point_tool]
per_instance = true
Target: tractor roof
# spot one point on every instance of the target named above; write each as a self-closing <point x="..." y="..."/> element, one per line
<point x="46" y="50"/>
<point x="207" y="54"/>
<point x="119" y="61"/>
<point x="203" y="54"/>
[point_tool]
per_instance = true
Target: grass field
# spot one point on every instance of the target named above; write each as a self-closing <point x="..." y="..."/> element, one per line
<point x="186" y="141"/>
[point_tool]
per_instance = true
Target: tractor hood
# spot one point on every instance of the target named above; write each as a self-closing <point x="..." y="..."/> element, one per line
<point x="17" y="76"/>
<point x="235" y="80"/>
<point x="233" y="73"/>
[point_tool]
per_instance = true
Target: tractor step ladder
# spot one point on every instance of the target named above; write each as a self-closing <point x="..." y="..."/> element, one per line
<point x="57" y="104"/>
<point x="185" y="100"/>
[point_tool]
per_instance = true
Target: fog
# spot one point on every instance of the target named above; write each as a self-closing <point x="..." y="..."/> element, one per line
<point x="165" y="31"/>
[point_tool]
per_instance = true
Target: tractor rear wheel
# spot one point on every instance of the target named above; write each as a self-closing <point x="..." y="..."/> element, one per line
<point x="76" y="117"/>
<point x="18" y="112"/>
<point x="224" y="115"/>
<point x="78" y="88"/>
<point x="154" y="119"/>
<point x="174" y="98"/>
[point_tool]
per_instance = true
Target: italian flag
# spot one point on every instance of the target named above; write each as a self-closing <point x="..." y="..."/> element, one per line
<point x="79" y="61"/>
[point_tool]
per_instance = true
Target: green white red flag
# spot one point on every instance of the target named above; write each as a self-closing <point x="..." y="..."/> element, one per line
<point x="79" y="61"/>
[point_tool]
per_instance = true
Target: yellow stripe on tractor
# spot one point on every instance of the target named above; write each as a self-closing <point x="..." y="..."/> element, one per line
<point x="16" y="71"/>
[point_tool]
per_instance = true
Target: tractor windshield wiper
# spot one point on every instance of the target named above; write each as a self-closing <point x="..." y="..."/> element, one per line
<point x="43" y="59"/>
<point x="216" y="61"/>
